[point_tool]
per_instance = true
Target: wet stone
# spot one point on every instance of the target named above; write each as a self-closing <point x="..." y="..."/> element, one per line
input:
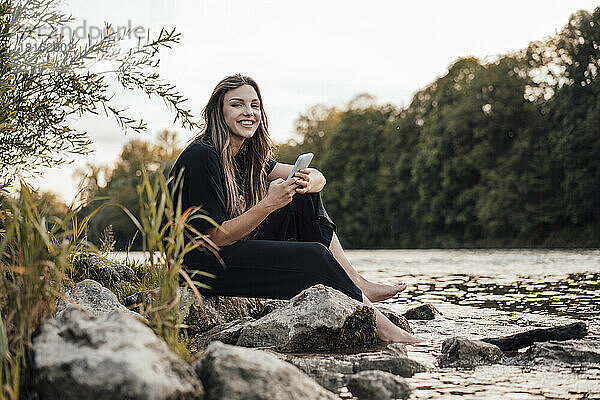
<point x="397" y="319"/>
<point x="568" y="352"/>
<point x="466" y="353"/>
<point x="378" y="385"/>
<point x="422" y="312"/>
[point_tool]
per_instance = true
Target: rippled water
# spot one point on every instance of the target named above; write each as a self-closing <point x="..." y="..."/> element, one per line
<point x="483" y="293"/>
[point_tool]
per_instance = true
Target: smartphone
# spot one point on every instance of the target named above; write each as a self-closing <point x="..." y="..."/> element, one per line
<point x="302" y="162"/>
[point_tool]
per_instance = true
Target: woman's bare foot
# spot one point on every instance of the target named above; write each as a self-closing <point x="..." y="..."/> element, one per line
<point x="387" y="331"/>
<point x="399" y="336"/>
<point x="379" y="292"/>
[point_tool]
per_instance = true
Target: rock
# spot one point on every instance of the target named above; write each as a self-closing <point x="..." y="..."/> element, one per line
<point x="227" y="333"/>
<point x="112" y="356"/>
<point x="269" y="306"/>
<point x="378" y="385"/>
<point x="424" y="311"/>
<point x="318" y="318"/>
<point x="388" y="362"/>
<point x="119" y="278"/>
<point x="397" y="349"/>
<point x="466" y="353"/>
<point x="215" y="310"/>
<point x="91" y="296"/>
<point x="398" y="320"/>
<point x="333" y="371"/>
<point x="231" y="372"/>
<point x="329" y="371"/>
<point x="568" y="352"/>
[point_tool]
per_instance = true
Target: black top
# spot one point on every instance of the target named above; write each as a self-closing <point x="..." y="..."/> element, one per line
<point x="204" y="182"/>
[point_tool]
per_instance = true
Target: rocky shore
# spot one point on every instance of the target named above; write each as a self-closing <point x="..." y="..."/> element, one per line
<point x="319" y="345"/>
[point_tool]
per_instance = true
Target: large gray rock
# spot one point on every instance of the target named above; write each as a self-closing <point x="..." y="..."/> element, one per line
<point x="231" y="373"/>
<point x="118" y="277"/>
<point x="318" y="318"/>
<point x="268" y="306"/>
<point x="585" y="351"/>
<point x="215" y="310"/>
<point x="378" y="385"/>
<point x="91" y="296"/>
<point x="113" y="356"/>
<point x="466" y="353"/>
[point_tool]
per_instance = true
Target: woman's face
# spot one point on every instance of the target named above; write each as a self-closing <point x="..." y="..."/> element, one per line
<point x="241" y="109"/>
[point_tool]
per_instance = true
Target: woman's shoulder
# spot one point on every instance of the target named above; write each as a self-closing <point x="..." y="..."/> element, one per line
<point x="198" y="151"/>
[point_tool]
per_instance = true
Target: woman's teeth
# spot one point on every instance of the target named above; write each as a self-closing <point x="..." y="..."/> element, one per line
<point x="247" y="123"/>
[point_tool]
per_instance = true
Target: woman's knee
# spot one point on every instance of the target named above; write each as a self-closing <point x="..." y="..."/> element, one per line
<point x="318" y="250"/>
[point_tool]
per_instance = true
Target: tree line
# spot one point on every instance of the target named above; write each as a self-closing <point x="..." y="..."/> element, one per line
<point x="495" y="153"/>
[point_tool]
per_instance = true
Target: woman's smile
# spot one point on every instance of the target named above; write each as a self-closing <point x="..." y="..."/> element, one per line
<point x="241" y="109"/>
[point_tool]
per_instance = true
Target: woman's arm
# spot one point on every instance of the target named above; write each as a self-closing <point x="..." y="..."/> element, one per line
<point x="312" y="180"/>
<point x="280" y="193"/>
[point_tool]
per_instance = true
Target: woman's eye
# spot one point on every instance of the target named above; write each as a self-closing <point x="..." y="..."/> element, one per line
<point x="255" y="105"/>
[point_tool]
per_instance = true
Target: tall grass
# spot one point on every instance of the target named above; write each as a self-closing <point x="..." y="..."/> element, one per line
<point x="33" y="261"/>
<point x="36" y="261"/>
<point x="163" y="225"/>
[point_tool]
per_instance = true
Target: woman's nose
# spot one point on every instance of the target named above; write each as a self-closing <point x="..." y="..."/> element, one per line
<point x="248" y="110"/>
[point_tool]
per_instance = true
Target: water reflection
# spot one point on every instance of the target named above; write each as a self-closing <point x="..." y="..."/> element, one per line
<point x="574" y="295"/>
<point x="485" y="293"/>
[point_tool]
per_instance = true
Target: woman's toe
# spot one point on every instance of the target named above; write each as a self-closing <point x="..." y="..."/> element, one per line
<point x="402" y="287"/>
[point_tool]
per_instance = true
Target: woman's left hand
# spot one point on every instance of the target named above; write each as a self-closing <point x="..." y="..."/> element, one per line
<point x="304" y="183"/>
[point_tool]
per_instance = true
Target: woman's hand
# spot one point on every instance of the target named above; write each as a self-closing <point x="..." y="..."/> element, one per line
<point x="304" y="183"/>
<point x="280" y="192"/>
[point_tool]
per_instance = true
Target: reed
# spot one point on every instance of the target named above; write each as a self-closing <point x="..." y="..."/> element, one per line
<point x="33" y="261"/>
<point x="36" y="262"/>
<point x="163" y="225"/>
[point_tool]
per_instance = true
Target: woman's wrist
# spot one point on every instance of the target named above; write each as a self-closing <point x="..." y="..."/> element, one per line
<point x="266" y="205"/>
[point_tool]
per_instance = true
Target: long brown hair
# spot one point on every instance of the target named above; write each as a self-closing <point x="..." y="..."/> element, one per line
<point x="257" y="148"/>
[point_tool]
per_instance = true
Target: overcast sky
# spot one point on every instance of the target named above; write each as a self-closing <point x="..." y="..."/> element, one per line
<point x="304" y="53"/>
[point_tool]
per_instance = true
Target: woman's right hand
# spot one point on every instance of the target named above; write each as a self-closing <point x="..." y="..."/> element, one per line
<point x="280" y="192"/>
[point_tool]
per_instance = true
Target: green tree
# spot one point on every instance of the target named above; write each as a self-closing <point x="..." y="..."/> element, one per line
<point x="45" y="80"/>
<point x="122" y="179"/>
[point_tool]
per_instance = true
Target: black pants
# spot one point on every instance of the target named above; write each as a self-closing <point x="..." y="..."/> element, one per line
<point x="287" y="253"/>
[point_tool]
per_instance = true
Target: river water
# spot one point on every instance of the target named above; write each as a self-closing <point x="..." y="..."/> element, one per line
<point x="483" y="293"/>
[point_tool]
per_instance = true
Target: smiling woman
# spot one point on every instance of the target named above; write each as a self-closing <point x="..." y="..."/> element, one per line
<point x="274" y="241"/>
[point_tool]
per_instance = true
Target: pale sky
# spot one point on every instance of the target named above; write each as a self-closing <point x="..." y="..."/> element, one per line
<point x="304" y="53"/>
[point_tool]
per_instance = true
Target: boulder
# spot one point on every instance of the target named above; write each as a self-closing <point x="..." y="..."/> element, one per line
<point x="215" y="310"/>
<point x="112" y="356"/>
<point x="318" y="318"/>
<point x="329" y="371"/>
<point x="569" y="352"/>
<point x="424" y="311"/>
<point x="227" y="333"/>
<point x="388" y="362"/>
<point x="231" y="372"/>
<point x="91" y="296"/>
<point x="332" y="371"/>
<point x="378" y="385"/>
<point x="269" y="306"/>
<point x="117" y="277"/>
<point x="466" y="353"/>
<point x="396" y="319"/>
